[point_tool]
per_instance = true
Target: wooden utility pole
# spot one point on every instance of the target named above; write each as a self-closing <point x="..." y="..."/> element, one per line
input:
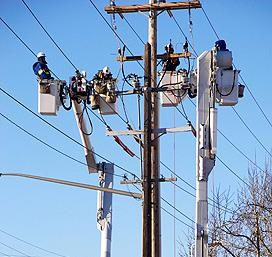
<point x="147" y="238"/>
<point x="151" y="183"/>
<point x="155" y="154"/>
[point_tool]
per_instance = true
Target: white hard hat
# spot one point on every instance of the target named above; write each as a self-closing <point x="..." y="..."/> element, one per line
<point x="40" y="54"/>
<point x="84" y="73"/>
<point x="106" y="70"/>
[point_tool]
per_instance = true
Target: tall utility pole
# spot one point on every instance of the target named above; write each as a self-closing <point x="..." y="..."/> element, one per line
<point x="151" y="183"/>
<point x="147" y="234"/>
<point x="155" y="154"/>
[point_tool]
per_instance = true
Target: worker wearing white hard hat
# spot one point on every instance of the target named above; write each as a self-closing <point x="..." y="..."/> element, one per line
<point x="40" y="67"/>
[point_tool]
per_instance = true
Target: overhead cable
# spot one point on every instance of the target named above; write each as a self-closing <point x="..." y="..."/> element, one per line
<point x="19" y="38"/>
<point x="47" y="33"/>
<point x="33" y="245"/>
<point x="180" y="212"/>
<point x="176" y="218"/>
<point x="115" y="33"/>
<point x="251" y="132"/>
<point x="50" y="146"/>
<point x="14" y="249"/>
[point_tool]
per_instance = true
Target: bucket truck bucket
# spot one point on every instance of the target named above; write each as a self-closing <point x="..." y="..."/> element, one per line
<point x="173" y="83"/>
<point x="227" y="87"/>
<point x="48" y="96"/>
<point x="107" y="107"/>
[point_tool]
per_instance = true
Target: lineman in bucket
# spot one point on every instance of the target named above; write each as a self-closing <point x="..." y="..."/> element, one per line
<point x="43" y="73"/>
<point x="40" y="67"/>
<point x="104" y="84"/>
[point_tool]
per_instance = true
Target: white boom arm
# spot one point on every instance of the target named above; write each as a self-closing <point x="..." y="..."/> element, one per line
<point x="104" y="199"/>
<point x="88" y="150"/>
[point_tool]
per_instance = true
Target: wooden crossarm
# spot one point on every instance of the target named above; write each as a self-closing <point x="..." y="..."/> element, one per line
<point x="157" y="7"/>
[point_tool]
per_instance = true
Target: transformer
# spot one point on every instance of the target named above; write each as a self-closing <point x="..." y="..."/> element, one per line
<point x="174" y="85"/>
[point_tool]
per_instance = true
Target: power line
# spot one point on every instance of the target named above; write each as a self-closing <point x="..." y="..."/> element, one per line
<point x="210" y="22"/>
<point x="176" y="218"/>
<point x="115" y="33"/>
<point x="233" y="172"/>
<point x="35" y="17"/>
<point x="135" y="32"/>
<point x="14" y="249"/>
<point x="63" y="133"/>
<point x="16" y="35"/>
<point x="240" y="151"/>
<point x="255" y="100"/>
<point x="184" y="215"/>
<point x="251" y="132"/>
<point x="38" y="247"/>
<point x="181" y="30"/>
<point x="50" y="146"/>
<point x="20" y="39"/>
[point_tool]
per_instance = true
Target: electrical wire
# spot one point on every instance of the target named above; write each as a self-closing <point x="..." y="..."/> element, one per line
<point x="20" y="39"/>
<point x="115" y="33"/>
<point x="50" y="146"/>
<point x="33" y="245"/>
<point x="174" y="183"/>
<point x="255" y="100"/>
<point x="123" y="104"/>
<point x="233" y="172"/>
<point x="47" y="33"/>
<point x="81" y="120"/>
<point x="181" y="30"/>
<point x="180" y="212"/>
<point x="176" y="218"/>
<point x="63" y="133"/>
<point x="14" y="249"/>
<point x="251" y="132"/>
<point x="209" y="21"/>
<point x="135" y="32"/>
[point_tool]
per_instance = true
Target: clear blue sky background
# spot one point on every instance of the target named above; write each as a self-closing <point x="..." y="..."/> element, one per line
<point x="63" y="219"/>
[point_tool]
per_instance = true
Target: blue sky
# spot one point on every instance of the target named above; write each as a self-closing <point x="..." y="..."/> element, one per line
<point x="63" y="219"/>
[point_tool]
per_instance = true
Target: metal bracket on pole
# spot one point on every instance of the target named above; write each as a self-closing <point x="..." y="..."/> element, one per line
<point x="139" y="181"/>
<point x="155" y="131"/>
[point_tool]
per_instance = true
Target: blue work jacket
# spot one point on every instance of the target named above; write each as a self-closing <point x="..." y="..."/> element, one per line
<point x="41" y="70"/>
